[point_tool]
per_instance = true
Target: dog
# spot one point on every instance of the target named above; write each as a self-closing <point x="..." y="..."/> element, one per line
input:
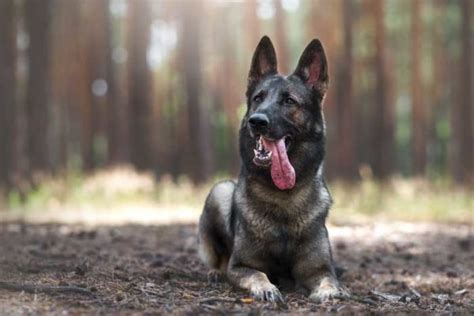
<point x="268" y="228"/>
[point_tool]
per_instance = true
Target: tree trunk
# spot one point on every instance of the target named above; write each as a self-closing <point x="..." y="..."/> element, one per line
<point x="199" y="151"/>
<point x="94" y="49"/>
<point x="7" y="89"/>
<point x="438" y="91"/>
<point x="37" y="108"/>
<point x="383" y="124"/>
<point x="140" y="86"/>
<point x="251" y="25"/>
<point x="116" y="111"/>
<point x="463" y="165"/>
<point x="418" y="110"/>
<point x="228" y="92"/>
<point x="323" y="20"/>
<point x="347" y="161"/>
<point x="281" y="38"/>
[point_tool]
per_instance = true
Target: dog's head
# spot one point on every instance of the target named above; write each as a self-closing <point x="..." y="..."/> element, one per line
<point x="282" y="132"/>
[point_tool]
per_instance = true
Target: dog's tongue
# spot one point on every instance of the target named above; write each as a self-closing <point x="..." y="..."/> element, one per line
<point x="283" y="173"/>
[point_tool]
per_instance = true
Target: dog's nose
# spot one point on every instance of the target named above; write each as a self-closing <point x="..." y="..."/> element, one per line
<point x="259" y="122"/>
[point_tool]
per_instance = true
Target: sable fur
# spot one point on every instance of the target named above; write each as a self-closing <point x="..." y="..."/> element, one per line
<point x="258" y="236"/>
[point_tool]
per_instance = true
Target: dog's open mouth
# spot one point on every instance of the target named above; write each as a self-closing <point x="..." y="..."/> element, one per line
<point x="274" y="153"/>
<point x="263" y="157"/>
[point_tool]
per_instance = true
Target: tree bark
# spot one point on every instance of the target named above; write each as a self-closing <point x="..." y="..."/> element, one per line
<point x="418" y="108"/>
<point x="227" y="92"/>
<point x="7" y="89"/>
<point x="323" y="20"/>
<point x="117" y="140"/>
<point x="37" y="108"/>
<point x="251" y="25"/>
<point x="281" y="38"/>
<point x="94" y="46"/>
<point x="462" y="164"/>
<point x="140" y="86"/>
<point x="199" y="151"/>
<point x="383" y="119"/>
<point x="347" y="161"/>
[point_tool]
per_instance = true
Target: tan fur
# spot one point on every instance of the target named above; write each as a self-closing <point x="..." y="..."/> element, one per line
<point x="207" y="254"/>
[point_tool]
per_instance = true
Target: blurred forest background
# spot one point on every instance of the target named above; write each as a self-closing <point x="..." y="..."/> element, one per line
<point x="160" y="85"/>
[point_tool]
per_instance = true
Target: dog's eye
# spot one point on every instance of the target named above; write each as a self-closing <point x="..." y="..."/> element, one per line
<point x="257" y="99"/>
<point x="290" y="101"/>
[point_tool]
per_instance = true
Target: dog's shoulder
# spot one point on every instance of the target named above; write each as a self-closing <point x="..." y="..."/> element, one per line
<point x="221" y="193"/>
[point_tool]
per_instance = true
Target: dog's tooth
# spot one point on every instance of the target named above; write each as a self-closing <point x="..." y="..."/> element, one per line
<point x="260" y="144"/>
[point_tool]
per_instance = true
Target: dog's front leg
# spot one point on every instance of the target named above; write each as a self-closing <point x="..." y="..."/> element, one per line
<point x="252" y="280"/>
<point x="314" y="268"/>
<point x="322" y="284"/>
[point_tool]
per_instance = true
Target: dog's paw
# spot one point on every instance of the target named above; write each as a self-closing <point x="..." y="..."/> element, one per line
<point x="327" y="290"/>
<point x="266" y="292"/>
<point x="215" y="276"/>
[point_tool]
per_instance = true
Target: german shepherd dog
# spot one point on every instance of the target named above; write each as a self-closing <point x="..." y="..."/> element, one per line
<point x="269" y="227"/>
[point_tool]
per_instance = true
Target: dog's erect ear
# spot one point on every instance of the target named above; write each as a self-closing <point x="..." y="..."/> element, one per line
<point x="264" y="61"/>
<point x="313" y="68"/>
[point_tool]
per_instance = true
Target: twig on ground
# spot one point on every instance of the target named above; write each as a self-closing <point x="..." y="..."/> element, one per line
<point x="211" y="307"/>
<point x="217" y="299"/>
<point x="415" y="292"/>
<point x="461" y="292"/>
<point x="46" y="289"/>
<point x="362" y="300"/>
<point x="386" y="296"/>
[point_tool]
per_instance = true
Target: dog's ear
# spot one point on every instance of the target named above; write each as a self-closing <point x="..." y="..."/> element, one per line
<point x="264" y="61"/>
<point x="313" y="68"/>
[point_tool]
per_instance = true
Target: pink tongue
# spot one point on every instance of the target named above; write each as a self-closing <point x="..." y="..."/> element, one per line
<point x="283" y="173"/>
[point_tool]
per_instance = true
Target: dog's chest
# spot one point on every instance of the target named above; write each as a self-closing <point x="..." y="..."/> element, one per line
<point x="277" y="230"/>
<point x="280" y="241"/>
<point x="277" y="225"/>
<point x="277" y="221"/>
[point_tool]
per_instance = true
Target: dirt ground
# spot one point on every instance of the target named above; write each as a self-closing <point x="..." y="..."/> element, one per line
<point x="74" y="269"/>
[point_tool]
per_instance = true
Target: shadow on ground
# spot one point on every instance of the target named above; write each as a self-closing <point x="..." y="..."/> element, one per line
<point x="395" y="267"/>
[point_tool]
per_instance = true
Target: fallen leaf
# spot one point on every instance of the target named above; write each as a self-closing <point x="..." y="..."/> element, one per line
<point x="186" y="295"/>
<point x="247" y="300"/>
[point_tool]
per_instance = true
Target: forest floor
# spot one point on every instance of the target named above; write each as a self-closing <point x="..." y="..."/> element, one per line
<point x="123" y="269"/>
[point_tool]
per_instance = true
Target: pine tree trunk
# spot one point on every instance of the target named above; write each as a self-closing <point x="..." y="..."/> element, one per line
<point x="228" y="94"/>
<point x="116" y="115"/>
<point x="418" y="108"/>
<point x="7" y="89"/>
<point x="463" y="164"/>
<point x="199" y="146"/>
<point x="38" y="25"/>
<point x="98" y="52"/>
<point x="347" y="163"/>
<point x="252" y="25"/>
<point x="323" y="20"/>
<point x="383" y="119"/>
<point x="140" y="84"/>
<point x="281" y="38"/>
